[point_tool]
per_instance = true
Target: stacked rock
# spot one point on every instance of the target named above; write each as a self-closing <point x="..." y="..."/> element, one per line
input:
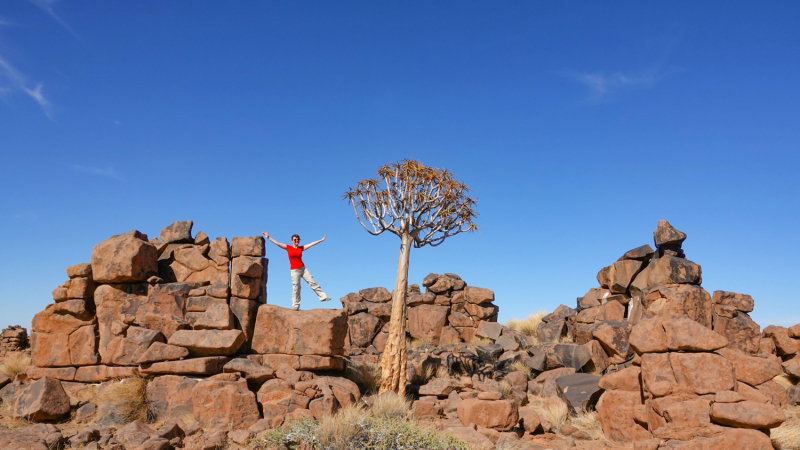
<point x="182" y="258"/>
<point x="685" y="385"/>
<point x="447" y="313"/>
<point x="13" y="339"/>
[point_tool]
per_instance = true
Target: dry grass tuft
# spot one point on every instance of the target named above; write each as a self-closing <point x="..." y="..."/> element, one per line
<point x="785" y="380"/>
<point x="338" y="431"/>
<point x="528" y="326"/>
<point x="520" y="366"/>
<point x="550" y="409"/>
<point x="366" y="375"/>
<point x="124" y="401"/>
<point x="418" y="343"/>
<point x="787" y="436"/>
<point x="568" y="339"/>
<point x="479" y="341"/>
<point x="505" y="389"/>
<point x="588" y="422"/>
<point x="389" y="406"/>
<point x="15" y="363"/>
<point x="442" y="372"/>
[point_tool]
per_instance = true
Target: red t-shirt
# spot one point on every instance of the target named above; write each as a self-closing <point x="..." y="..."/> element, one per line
<point x="295" y="256"/>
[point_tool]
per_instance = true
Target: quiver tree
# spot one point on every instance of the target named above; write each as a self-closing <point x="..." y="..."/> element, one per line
<point x="423" y="206"/>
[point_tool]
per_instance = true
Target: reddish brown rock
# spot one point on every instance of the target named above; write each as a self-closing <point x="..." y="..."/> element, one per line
<point x="363" y="328"/>
<point x="223" y="404"/>
<point x="483" y="311"/>
<point x="247" y="246"/>
<point x="740" y="330"/>
<point x="376" y="295"/>
<point x="247" y="266"/>
<point x="615" y="409"/>
<point x="82" y="346"/>
<point x="216" y="317"/>
<point x="598" y="362"/>
<point x="170" y="396"/>
<point x="80" y="270"/>
<point x="627" y="379"/>
<point x="753" y="370"/>
<point x="738" y="438"/>
<point x="244" y="287"/>
<point x="775" y="392"/>
<point x="98" y="374"/>
<point x="686" y="334"/>
<point x="645" y="252"/>
<point x="742" y="302"/>
<point x="208" y="342"/>
<point x="671" y="269"/>
<point x="313" y="332"/>
<point x="162" y="352"/>
<point x="766" y="346"/>
<point x="440" y="387"/>
<point x="751" y="393"/>
<point x="623" y="273"/>
<point x="784" y="345"/>
<point x="648" y="336"/>
<point x="701" y="373"/>
<point x="606" y="276"/>
<point x="614" y="335"/>
<point x="450" y="336"/>
<point x="495" y="414"/>
<point x="250" y="370"/>
<point x="195" y="366"/>
<point x="426" y="322"/>
<point x="747" y="414"/>
<point x="316" y="362"/>
<point x="478" y="295"/>
<point x="658" y="377"/>
<point x="177" y="232"/>
<point x="80" y="287"/>
<point x="666" y="234"/>
<point x="35" y="373"/>
<point x="42" y="400"/>
<point x="124" y="258"/>
<point x="675" y="300"/>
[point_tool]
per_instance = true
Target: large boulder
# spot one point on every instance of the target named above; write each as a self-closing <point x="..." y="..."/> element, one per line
<point x="753" y="370"/>
<point x="177" y="232"/>
<point x="579" y="390"/>
<point x="224" y="402"/>
<point x="496" y="414"/>
<point x="426" y="322"/>
<point x="125" y="258"/>
<point x="675" y="300"/>
<point x="616" y="411"/>
<point x="42" y="400"/>
<point x="686" y="334"/>
<point x="702" y="373"/>
<point x="671" y="269"/>
<point x="312" y="332"/>
<point x="747" y="414"/>
<point x="742" y="332"/>
<point x="59" y="338"/>
<point x="666" y="234"/>
<point x="170" y="396"/>
<point x="363" y="328"/>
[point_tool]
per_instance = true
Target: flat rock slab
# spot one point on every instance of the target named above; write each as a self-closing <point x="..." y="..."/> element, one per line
<point x="579" y="390"/>
<point x="313" y="332"/>
<point x="195" y="366"/>
<point x="747" y="414"/>
<point x="208" y="342"/>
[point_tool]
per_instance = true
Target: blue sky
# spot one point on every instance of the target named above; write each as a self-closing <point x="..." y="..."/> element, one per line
<point x="577" y="125"/>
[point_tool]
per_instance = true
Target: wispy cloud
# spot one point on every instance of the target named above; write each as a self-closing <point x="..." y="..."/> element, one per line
<point x="107" y="172"/>
<point x="47" y="7"/>
<point x="117" y="122"/>
<point x="5" y="22"/>
<point x="602" y="85"/>
<point x="18" y="82"/>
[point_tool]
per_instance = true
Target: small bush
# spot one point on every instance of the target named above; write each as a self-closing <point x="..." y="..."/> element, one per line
<point x="124" y="401"/>
<point x="366" y="375"/>
<point x="356" y="428"/>
<point x="15" y="363"/>
<point x="568" y="339"/>
<point x="787" y="436"/>
<point x="528" y="326"/>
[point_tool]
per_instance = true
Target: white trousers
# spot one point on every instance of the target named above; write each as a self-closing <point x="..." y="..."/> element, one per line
<point x="306" y="275"/>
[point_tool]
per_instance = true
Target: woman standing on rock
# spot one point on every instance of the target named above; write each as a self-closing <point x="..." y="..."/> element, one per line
<point x="298" y="269"/>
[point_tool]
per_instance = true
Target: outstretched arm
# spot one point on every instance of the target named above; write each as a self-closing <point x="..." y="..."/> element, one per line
<point x="308" y="246"/>
<point x="266" y="235"/>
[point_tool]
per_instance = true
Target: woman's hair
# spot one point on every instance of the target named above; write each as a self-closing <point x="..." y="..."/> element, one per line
<point x="296" y="236"/>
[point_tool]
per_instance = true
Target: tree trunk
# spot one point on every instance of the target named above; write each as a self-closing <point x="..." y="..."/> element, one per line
<point x="393" y="362"/>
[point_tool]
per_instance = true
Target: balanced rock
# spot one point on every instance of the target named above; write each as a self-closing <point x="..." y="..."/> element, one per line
<point x="666" y="234"/>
